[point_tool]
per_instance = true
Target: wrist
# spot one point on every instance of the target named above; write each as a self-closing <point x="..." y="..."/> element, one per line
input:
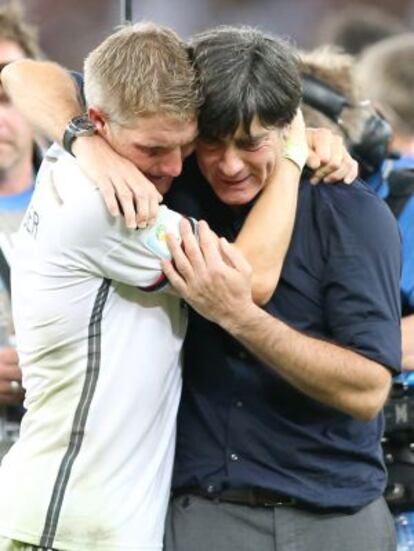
<point x="290" y="170"/>
<point x="295" y="151"/>
<point x="86" y="143"/>
<point x="239" y="321"/>
<point x="78" y="127"/>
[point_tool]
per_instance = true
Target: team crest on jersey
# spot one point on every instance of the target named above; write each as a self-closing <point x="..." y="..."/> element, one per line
<point x="160" y="232"/>
<point x="155" y="237"/>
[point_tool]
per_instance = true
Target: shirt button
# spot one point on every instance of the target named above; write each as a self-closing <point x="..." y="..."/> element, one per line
<point x="234" y="457"/>
<point x="210" y="488"/>
<point x="242" y="354"/>
<point x="239" y="403"/>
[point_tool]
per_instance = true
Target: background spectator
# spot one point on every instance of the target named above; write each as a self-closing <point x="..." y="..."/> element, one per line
<point x="356" y="27"/>
<point x="18" y="164"/>
<point x="68" y="30"/>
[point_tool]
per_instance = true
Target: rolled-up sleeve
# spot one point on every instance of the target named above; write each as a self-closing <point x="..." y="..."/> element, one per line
<point x="362" y="280"/>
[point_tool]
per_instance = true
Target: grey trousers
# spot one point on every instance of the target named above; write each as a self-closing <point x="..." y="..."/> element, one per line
<point x="198" y="524"/>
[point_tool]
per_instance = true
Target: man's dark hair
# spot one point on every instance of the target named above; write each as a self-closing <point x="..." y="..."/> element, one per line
<point x="243" y="73"/>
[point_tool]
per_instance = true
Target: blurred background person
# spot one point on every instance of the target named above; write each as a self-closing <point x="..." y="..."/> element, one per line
<point x="385" y="72"/>
<point x="333" y="98"/>
<point x="19" y="161"/>
<point x="353" y="28"/>
<point x="17" y="152"/>
<point x="89" y="21"/>
<point x="386" y="75"/>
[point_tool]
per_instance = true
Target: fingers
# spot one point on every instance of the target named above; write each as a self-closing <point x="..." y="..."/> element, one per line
<point x="124" y="188"/>
<point x="146" y="202"/>
<point x="154" y="201"/>
<point x="109" y="196"/>
<point x="9" y="358"/>
<point x="181" y="262"/>
<point x="336" y="164"/>
<point x="10" y="373"/>
<point x="319" y="143"/>
<point x="11" y="391"/>
<point x="192" y="260"/>
<point x="331" y="157"/>
<point x="313" y="162"/>
<point x="125" y="203"/>
<point x="353" y="172"/>
<point x="190" y="244"/>
<point x="138" y="201"/>
<point x="209" y="244"/>
<point x="191" y="257"/>
<point x="174" y="277"/>
<point x="346" y="173"/>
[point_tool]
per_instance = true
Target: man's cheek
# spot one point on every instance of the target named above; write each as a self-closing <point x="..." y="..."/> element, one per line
<point x="270" y="165"/>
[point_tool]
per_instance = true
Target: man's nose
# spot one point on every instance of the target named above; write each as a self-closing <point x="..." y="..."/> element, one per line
<point x="230" y="163"/>
<point x="172" y="163"/>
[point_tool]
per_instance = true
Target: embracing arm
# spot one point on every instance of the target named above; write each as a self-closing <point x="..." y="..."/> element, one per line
<point x="265" y="235"/>
<point x="53" y="98"/>
<point x="51" y="103"/>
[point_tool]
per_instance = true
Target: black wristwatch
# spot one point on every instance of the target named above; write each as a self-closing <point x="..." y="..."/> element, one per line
<point x="77" y="127"/>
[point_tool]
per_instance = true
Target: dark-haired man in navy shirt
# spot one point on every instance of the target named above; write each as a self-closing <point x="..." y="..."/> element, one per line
<point x="280" y="420"/>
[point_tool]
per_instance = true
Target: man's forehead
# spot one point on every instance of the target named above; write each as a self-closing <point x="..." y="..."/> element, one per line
<point x="9" y="51"/>
<point x="164" y="131"/>
<point x="256" y="132"/>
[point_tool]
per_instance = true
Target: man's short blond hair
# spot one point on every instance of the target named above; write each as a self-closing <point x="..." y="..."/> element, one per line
<point x="14" y="28"/>
<point x="141" y="69"/>
<point x="386" y="71"/>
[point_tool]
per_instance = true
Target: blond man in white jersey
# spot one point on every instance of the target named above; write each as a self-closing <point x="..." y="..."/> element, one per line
<point x="100" y="358"/>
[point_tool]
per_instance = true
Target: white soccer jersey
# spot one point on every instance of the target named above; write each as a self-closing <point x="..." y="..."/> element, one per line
<point x="101" y="367"/>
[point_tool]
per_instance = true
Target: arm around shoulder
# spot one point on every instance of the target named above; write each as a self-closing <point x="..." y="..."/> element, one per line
<point x="53" y="98"/>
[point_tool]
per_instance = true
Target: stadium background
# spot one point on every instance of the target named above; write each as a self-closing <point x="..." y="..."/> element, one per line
<point x="71" y="28"/>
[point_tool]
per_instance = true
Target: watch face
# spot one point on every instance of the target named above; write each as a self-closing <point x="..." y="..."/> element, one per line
<point x="81" y="126"/>
<point x="77" y="127"/>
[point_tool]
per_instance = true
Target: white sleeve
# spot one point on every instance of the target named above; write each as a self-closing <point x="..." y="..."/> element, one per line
<point x="100" y="244"/>
<point x="140" y="253"/>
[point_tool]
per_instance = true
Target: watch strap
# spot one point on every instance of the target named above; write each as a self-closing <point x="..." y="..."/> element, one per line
<point x="77" y="127"/>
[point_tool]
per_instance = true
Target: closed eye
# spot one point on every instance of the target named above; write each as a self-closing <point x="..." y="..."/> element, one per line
<point x="251" y="145"/>
<point x="150" y="151"/>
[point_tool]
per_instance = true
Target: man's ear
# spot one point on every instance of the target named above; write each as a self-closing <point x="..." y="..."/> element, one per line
<point x="96" y="115"/>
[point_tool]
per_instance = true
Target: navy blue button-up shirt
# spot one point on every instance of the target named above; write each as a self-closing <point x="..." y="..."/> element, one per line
<point x="240" y="424"/>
